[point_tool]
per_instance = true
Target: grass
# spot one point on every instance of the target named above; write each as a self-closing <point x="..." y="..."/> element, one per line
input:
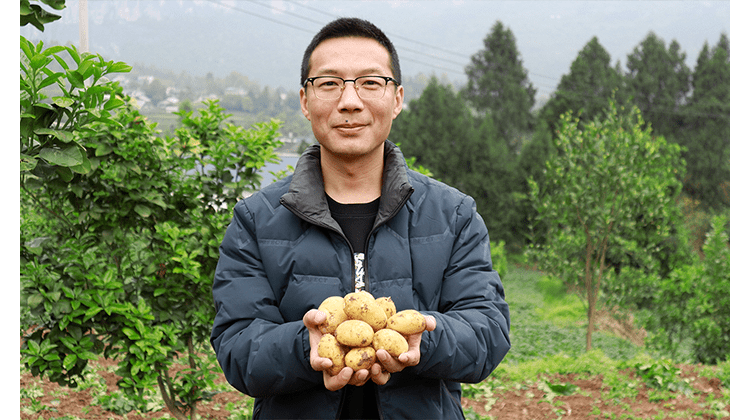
<point x="546" y="320"/>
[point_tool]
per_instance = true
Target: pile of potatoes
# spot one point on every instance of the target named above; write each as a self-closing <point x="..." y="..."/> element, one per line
<point x="357" y="325"/>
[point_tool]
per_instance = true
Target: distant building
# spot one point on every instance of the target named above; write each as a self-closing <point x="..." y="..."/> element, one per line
<point x="235" y="91"/>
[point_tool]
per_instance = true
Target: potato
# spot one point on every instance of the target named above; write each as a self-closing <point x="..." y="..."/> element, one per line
<point x="360" y="358"/>
<point x="391" y="341"/>
<point x="335" y="315"/>
<point x="362" y="306"/>
<point x="407" y="322"/>
<point x="361" y="292"/>
<point x="330" y="348"/>
<point x="388" y="306"/>
<point x="354" y="333"/>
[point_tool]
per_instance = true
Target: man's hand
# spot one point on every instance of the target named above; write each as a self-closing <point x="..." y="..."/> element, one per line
<point x="380" y="372"/>
<point x="411" y="357"/>
<point x="312" y="319"/>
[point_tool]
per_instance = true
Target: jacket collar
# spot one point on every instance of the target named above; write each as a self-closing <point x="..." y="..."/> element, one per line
<point x="306" y="196"/>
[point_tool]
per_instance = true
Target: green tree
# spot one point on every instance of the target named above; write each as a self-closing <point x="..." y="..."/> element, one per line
<point x="705" y="134"/>
<point x="440" y="132"/>
<point x="498" y="86"/>
<point x="586" y="89"/>
<point x="609" y="187"/>
<point x="122" y="266"/>
<point x="156" y="91"/>
<point x="694" y="304"/>
<point x="658" y="80"/>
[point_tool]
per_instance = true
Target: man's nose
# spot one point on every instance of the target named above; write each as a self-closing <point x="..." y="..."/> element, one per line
<point x="349" y="97"/>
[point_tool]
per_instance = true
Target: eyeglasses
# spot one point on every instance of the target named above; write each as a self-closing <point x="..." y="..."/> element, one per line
<point x="330" y="88"/>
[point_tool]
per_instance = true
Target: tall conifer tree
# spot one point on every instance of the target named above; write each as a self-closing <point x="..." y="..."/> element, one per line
<point x="587" y="88"/>
<point x="658" y="81"/>
<point x="498" y="86"/>
<point x="440" y="132"/>
<point x="706" y="132"/>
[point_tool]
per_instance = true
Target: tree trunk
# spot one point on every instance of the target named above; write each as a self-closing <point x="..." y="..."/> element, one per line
<point x="591" y="297"/>
<point x="167" y="398"/>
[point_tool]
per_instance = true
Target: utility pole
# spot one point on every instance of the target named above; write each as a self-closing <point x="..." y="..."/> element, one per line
<point x="83" y="25"/>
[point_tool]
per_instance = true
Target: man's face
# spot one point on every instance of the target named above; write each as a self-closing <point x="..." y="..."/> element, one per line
<point x="351" y="127"/>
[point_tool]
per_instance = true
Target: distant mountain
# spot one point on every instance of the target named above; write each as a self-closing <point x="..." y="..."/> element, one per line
<point x="265" y="40"/>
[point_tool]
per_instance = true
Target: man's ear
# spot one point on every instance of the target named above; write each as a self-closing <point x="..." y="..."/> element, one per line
<point x="399" y="98"/>
<point x="303" y="103"/>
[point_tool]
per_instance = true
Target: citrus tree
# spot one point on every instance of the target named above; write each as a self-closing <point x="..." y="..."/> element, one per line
<point x="117" y="260"/>
<point x="608" y="193"/>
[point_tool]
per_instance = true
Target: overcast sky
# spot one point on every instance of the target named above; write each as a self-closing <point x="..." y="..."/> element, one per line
<point x="265" y="39"/>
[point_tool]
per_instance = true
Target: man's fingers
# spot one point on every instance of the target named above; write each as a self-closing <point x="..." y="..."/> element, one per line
<point x="334" y="383"/>
<point x="313" y="318"/>
<point x="379" y="375"/>
<point x="430" y="322"/>
<point x="320" y="363"/>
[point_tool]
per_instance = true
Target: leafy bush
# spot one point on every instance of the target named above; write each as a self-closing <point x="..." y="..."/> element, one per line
<point x="499" y="258"/>
<point x="693" y="303"/>
<point x="122" y="264"/>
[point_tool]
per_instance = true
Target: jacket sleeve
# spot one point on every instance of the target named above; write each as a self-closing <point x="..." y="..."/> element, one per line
<point x="473" y="320"/>
<point x="260" y="353"/>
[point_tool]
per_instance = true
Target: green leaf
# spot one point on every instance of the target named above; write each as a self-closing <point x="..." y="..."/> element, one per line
<point x="62" y="62"/>
<point x="113" y="103"/>
<point x="70" y="361"/>
<point x="63" y="101"/>
<point x="62" y="135"/>
<point x="120" y="67"/>
<point x="70" y="156"/>
<point x="131" y="333"/>
<point x="39" y="60"/>
<point x="84" y="167"/>
<point x="142" y="210"/>
<point x="34" y="300"/>
<point x="48" y="81"/>
<point x="91" y="312"/>
<point x="75" y="79"/>
<point x="54" y="50"/>
<point x="65" y="173"/>
<point x="28" y="163"/>
<point x="103" y="149"/>
<point x="51" y="356"/>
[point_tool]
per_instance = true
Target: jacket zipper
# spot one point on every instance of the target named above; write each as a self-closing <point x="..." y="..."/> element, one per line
<point x="365" y="264"/>
<point x="369" y="235"/>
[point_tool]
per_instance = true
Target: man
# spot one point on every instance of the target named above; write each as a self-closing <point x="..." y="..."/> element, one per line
<point x="354" y="217"/>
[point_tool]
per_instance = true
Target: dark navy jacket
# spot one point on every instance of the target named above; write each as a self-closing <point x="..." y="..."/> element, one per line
<point x="283" y="254"/>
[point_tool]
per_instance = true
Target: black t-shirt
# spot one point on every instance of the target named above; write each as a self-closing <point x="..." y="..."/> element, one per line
<point x="356" y="220"/>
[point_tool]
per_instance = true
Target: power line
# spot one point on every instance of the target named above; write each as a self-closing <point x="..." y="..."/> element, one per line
<point x="217" y="2"/>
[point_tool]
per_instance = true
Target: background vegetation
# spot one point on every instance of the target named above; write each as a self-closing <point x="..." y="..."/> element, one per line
<point x="617" y="188"/>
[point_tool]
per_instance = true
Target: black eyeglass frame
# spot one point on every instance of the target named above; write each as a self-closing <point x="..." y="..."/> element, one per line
<point x="343" y="86"/>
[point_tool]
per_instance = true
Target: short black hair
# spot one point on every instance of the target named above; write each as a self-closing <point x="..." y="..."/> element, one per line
<point x="350" y="27"/>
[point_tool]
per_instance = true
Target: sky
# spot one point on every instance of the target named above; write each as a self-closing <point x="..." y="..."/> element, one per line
<point x="265" y="39"/>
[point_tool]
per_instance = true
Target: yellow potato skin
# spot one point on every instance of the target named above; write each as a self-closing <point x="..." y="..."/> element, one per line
<point x="407" y="322"/>
<point x="335" y="315"/>
<point x="362" y="306"/>
<point x="330" y="348"/>
<point x="360" y="358"/>
<point x="391" y="341"/>
<point x="354" y="333"/>
<point x="388" y="306"/>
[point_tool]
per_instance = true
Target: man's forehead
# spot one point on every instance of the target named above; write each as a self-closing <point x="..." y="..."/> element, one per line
<point x="337" y="55"/>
